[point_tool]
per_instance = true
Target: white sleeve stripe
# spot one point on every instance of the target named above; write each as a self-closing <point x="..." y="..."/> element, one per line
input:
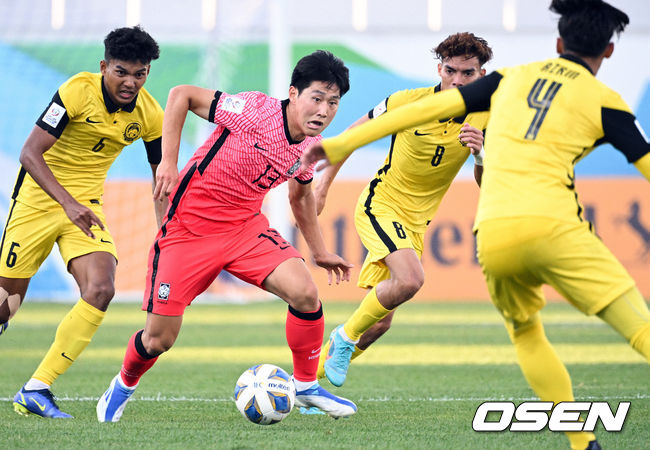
<point x="640" y="128"/>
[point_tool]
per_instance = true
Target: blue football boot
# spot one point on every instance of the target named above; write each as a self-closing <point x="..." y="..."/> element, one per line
<point x="337" y="360"/>
<point x="317" y="397"/>
<point x="111" y="404"/>
<point x="40" y="402"/>
<point x="593" y="445"/>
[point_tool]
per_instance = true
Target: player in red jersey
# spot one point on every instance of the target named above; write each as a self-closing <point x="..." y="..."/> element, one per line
<point x="214" y="221"/>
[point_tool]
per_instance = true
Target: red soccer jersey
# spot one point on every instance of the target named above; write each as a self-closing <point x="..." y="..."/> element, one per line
<point x="250" y="152"/>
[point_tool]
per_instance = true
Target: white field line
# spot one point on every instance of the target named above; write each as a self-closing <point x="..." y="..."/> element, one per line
<point x="164" y="398"/>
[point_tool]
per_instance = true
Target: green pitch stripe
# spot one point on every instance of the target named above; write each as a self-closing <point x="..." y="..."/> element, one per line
<point x="217" y="315"/>
<point x="418" y="354"/>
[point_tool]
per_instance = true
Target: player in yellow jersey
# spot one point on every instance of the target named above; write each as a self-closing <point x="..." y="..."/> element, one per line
<point x="395" y="208"/>
<point x="58" y="198"/>
<point x="544" y="117"/>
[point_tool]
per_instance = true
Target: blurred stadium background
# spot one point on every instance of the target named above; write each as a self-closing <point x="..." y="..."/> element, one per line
<point x="252" y="45"/>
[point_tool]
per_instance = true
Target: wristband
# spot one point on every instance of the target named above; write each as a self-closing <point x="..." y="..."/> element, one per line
<point x="478" y="159"/>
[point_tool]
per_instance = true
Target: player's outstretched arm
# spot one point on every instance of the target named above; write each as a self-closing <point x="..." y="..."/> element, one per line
<point x="181" y="99"/>
<point x="324" y="182"/>
<point x="448" y="103"/>
<point x="31" y="158"/>
<point x="303" y="206"/>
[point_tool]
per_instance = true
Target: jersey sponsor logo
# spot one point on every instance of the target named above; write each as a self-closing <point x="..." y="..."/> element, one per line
<point x="233" y="104"/>
<point x="260" y="148"/>
<point x="132" y="131"/>
<point x="163" y="291"/>
<point x="534" y="416"/>
<point x="89" y="120"/>
<point x="417" y="133"/>
<point x="54" y="115"/>
<point x="293" y="168"/>
<point x="379" y="109"/>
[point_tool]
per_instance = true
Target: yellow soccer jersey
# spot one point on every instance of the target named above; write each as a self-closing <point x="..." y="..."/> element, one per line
<point x="421" y="164"/>
<point x="91" y="132"/>
<point x="545" y="117"/>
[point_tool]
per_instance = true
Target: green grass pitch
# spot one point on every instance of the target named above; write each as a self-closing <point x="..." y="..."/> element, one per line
<point x="418" y="387"/>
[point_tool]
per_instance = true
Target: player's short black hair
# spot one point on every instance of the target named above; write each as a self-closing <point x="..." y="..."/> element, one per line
<point x="321" y="66"/>
<point x="586" y="26"/>
<point x="464" y="44"/>
<point x="130" y="44"/>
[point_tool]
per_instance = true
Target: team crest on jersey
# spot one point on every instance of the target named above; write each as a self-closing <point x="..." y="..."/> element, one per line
<point x="163" y="291"/>
<point x="54" y="115"/>
<point x="233" y="104"/>
<point x="132" y="131"/>
<point x="293" y="168"/>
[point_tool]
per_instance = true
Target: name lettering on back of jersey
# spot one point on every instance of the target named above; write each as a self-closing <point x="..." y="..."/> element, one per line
<point x="233" y="104"/>
<point x="640" y="128"/>
<point x="54" y="115"/>
<point x="559" y="69"/>
<point x="379" y="109"/>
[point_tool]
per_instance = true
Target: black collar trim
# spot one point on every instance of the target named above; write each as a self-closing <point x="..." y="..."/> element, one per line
<point x="576" y="60"/>
<point x="111" y="107"/>
<point x="285" y="103"/>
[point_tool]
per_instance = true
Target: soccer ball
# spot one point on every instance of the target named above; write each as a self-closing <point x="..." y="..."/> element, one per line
<point x="265" y="394"/>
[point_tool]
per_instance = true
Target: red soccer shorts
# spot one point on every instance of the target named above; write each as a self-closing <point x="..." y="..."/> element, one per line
<point x="182" y="265"/>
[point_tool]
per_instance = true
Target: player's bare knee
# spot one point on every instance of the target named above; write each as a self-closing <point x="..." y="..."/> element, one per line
<point x="158" y="345"/>
<point x="409" y="285"/>
<point x="99" y="294"/>
<point x="9" y="305"/>
<point x="157" y="348"/>
<point x="305" y="298"/>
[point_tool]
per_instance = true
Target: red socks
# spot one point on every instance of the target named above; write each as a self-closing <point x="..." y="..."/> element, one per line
<point x="304" y="335"/>
<point x="305" y="338"/>
<point x="136" y="360"/>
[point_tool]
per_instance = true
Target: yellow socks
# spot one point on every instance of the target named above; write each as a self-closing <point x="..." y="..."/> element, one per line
<point x="629" y="316"/>
<point x="72" y="336"/>
<point x="369" y="312"/>
<point x="357" y="352"/>
<point x="544" y="371"/>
